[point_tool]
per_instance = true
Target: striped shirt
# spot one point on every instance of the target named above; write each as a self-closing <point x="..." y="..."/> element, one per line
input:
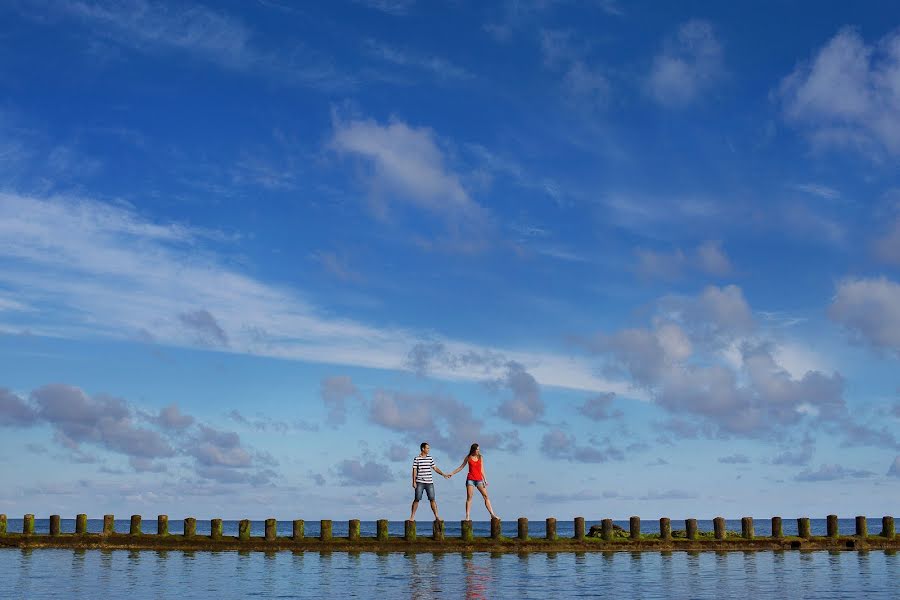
<point x="424" y="466"/>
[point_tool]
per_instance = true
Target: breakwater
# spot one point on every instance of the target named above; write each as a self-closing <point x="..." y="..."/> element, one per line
<point x="604" y="535"/>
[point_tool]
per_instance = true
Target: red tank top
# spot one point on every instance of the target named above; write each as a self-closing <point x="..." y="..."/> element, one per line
<point x="475" y="473"/>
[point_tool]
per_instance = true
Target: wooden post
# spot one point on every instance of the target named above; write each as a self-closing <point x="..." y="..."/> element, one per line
<point x="271" y="529"/>
<point x="299" y="529"/>
<point x="109" y="524"/>
<point x="135" y="528"/>
<point x="81" y="524"/>
<point x="862" y="528"/>
<point x="244" y="530"/>
<point x="551" y="528"/>
<point x="665" y="528"/>
<point x="353" y="529"/>
<point x="803" y="529"/>
<point x="437" y="530"/>
<point x="831" y="526"/>
<point x="523" y="528"/>
<point x="28" y="525"/>
<point x="409" y="531"/>
<point x="634" y="525"/>
<point x="747" y="528"/>
<point x="54" y="525"/>
<point x="690" y="528"/>
<point x="579" y="528"/>
<point x="887" y="527"/>
<point x="777" y="529"/>
<point x="2" y="524"/>
<point x="325" y="527"/>
<point x="215" y="529"/>
<point x="495" y="529"/>
<point x="190" y="527"/>
<point x="465" y="531"/>
<point x="381" y="529"/>
<point x="162" y="525"/>
<point x="719" y="527"/>
<point x="606" y="529"/>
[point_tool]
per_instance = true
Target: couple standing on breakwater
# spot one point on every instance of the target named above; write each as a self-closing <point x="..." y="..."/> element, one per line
<point x="423" y="479"/>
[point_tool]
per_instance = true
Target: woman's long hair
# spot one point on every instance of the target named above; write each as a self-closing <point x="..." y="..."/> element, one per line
<point x="473" y="450"/>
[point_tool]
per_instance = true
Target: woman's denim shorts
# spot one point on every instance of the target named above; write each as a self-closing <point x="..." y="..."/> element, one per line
<point x="478" y="483"/>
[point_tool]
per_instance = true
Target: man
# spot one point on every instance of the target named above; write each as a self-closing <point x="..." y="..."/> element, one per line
<point x="423" y="479"/>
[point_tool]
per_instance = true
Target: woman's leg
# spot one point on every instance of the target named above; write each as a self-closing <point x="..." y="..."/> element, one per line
<point x="468" y="500"/>
<point x="487" y="501"/>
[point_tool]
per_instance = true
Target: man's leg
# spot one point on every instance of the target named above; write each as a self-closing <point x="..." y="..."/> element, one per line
<point x="412" y="514"/>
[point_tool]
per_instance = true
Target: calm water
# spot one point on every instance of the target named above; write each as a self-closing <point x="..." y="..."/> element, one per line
<point x="99" y="574"/>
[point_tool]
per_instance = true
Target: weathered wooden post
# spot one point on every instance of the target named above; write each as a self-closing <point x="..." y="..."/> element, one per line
<point x="495" y="529"/>
<point x="719" y="528"/>
<point x="271" y="529"/>
<point x="551" y="528"/>
<point x="2" y="524"/>
<point x="634" y="526"/>
<point x="465" y="531"/>
<point x="437" y="530"/>
<point x="606" y="529"/>
<point x="523" y="528"/>
<point x="777" y="528"/>
<point x="54" y="525"/>
<point x="109" y="524"/>
<point x="81" y="524"/>
<point x="665" y="528"/>
<point x="135" y="528"/>
<point x="299" y="529"/>
<point x="579" y="528"/>
<point x="803" y="529"/>
<point x="690" y="529"/>
<point x="747" y="528"/>
<point x="353" y="529"/>
<point x="190" y="527"/>
<point x="831" y="526"/>
<point x="244" y="530"/>
<point x="862" y="528"/>
<point x="215" y="529"/>
<point x="162" y="525"/>
<point x="28" y="525"/>
<point x="381" y="530"/>
<point x="325" y="528"/>
<point x="887" y="527"/>
<point x="409" y="531"/>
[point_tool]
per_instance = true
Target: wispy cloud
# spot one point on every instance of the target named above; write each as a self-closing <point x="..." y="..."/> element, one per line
<point x="688" y="66"/>
<point x="439" y="67"/>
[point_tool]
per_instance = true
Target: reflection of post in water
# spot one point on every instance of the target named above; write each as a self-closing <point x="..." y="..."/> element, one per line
<point x="477" y="578"/>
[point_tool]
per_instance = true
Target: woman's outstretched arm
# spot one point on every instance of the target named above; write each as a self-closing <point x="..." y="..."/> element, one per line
<point x="460" y="467"/>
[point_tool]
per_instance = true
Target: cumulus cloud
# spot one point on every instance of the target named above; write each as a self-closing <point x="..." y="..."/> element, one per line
<point x="688" y="66"/>
<point x="847" y="94"/>
<point x="406" y="164"/>
<point x="525" y="406"/>
<point x="356" y="472"/>
<point x="887" y="247"/>
<point x="171" y="417"/>
<point x="597" y="408"/>
<point x="204" y="327"/>
<point x="796" y="457"/>
<point x="831" y="473"/>
<point x="559" y="445"/>
<point x="14" y="411"/>
<point x="336" y="391"/>
<point x="217" y="448"/>
<point x="446" y="423"/>
<point x="708" y="258"/>
<point x="101" y="420"/>
<point x="870" y="310"/>
<point x="397" y="453"/>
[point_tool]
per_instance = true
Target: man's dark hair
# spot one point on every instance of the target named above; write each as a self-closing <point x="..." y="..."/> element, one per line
<point x="422" y="445"/>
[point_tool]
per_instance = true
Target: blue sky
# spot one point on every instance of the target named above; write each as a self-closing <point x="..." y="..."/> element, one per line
<point x="646" y="254"/>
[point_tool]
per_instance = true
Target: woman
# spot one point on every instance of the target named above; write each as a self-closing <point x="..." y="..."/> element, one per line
<point x="475" y="479"/>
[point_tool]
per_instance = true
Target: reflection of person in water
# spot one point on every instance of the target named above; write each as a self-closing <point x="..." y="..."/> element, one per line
<point x="475" y="479"/>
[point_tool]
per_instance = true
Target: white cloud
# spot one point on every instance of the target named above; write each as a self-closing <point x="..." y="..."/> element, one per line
<point x="708" y="258"/>
<point x="92" y="270"/>
<point x="439" y="67"/>
<point x="406" y="165"/>
<point x="870" y="310"/>
<point x="887" y="247"/>
<point x="689" y="65"/>
<point x="848" y="94"/>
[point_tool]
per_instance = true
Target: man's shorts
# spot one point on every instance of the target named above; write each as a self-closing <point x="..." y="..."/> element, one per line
<point x="424" y="487"/>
